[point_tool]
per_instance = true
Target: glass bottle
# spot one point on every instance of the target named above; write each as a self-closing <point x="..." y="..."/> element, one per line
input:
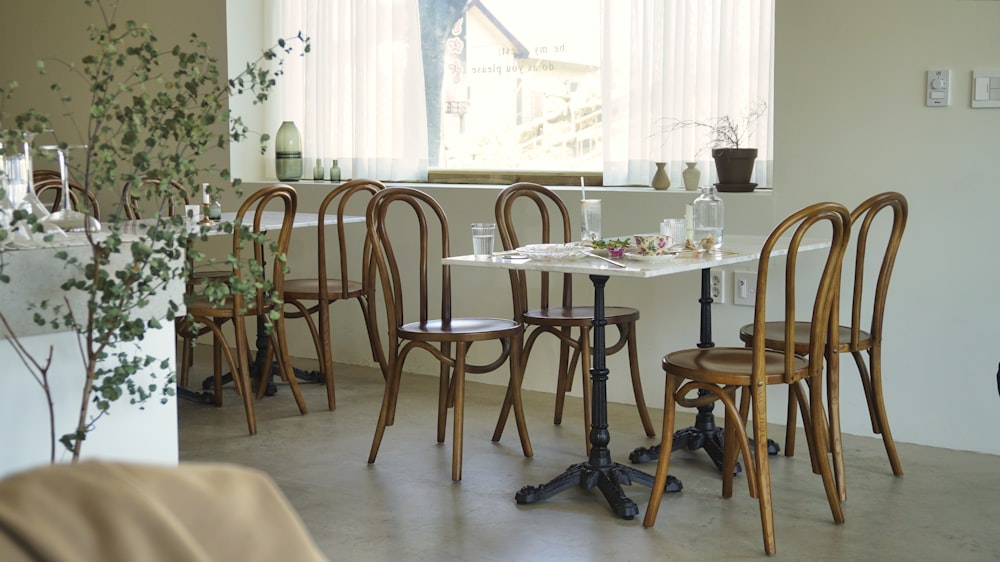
<point x="288" y="153"/>
<point x="318" y="171"/>
<point x="334" y="171"/>
<point x="709" y="218"/>
<point x="215" y="209"/>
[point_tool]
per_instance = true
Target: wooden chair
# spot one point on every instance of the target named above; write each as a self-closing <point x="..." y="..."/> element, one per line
<point x="555" y="313"/>
<point x="446" y="337"/>
<point x="237" y="309"/>
<point x="852" y="338"/>
<point x="721" y="371"/>
<point x="314" y="295"/>
<point x="49" y="191"/>
<point x="166" y="198"/>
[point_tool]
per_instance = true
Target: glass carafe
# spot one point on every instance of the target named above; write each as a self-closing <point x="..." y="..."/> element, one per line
<point x="709" y="219"/>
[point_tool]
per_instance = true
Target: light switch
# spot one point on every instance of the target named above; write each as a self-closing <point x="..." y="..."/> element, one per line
<point x="938" y="88"/>
<point x="986" y="87"/>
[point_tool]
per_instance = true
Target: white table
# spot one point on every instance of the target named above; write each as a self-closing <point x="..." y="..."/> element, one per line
<point x="599" y="470"/>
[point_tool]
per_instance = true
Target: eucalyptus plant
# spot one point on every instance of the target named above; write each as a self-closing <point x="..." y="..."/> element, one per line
<point x="153" y="113"/>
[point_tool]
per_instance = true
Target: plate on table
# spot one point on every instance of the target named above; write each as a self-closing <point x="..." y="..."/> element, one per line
<point x="650" y="259"/>
<point x="553" y="252"/>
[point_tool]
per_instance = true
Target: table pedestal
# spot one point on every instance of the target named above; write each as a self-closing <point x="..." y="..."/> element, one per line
<point x="704" y="434"/>
<point x="598" y="470"/>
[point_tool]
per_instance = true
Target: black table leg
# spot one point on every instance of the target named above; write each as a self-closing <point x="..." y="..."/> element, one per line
<point x="704" y="434"/>
<point x="598" y="470"/>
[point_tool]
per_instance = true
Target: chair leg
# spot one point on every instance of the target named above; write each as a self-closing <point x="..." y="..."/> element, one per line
<point x="279" y="342"/>
<point x="820" y="434"/>
<point x="373" y="340"/>
<point x="388" y="398"/>
<point x="761" y="468"/>
<point x="516" y="366"/>
<point x="565" y="374"/>
<point x="326" y="355"/>
<point x="876" y="405"/>
<point x="241" y="377"/>
<point x="459" y="395"/>
<point x="640" y="400"/>
<point x="663" y="465"/>
<point x="790" y="424"/>
<point x="833" y="411"/>
<point x="445" y="375"/>
<point x="587" y="398"/>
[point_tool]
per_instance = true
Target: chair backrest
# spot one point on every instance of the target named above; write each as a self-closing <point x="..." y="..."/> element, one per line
<point x="277" y="197"/>
<point x="553" y="226"/>
<point x="387" y="218"/>
<point x="864" y="217"/>
<point x="337" y="202"/>
<point x="80" y="198"/>
<point x="823" y="317"/>
<point x="166" y="196"/>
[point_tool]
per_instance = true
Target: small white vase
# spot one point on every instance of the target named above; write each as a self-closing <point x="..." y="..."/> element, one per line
<point x="660" y="180"/>
<point x="692" y="176"/>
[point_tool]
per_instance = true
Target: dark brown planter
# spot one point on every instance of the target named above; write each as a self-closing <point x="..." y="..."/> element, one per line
<point x="734" y="167"/>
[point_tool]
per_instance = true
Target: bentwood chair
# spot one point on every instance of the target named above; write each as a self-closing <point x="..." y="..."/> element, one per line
<point x="309" y="296"/>
<point x="165" y="197"/>
<point x="554" y="312"/>
<point x="153" y="196"/>
<point x="852" y="338"/>
<point x="235" y="308"/>
<point x="404" y="225"/>
<point x="49" y="191"/>
<point x="722" y="371"/>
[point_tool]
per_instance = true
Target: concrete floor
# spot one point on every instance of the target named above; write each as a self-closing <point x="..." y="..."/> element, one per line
<point x="406" y="507"/>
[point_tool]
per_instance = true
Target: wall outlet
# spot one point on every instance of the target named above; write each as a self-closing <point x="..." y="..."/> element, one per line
<point x="718" y="292"/>
<point x="745" y="288"/>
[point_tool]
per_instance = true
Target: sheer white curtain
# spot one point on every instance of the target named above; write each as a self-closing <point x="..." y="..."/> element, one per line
<point x="666" y="60"/>
<point x="358" y="97"/>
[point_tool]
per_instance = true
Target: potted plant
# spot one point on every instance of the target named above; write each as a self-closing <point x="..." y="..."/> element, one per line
<point x="727" y="136"/>
<point x="151" y="112"/>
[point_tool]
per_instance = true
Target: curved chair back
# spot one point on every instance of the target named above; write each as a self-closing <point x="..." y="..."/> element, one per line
<point x="553" y="227"/>
<point x="137" y="198"/>
<point x="80" y="198"/>
<point x="280" y="198"/>
<point x="824" y="314"/>
<point x="339" y="200"/>
<point x="865" y="215"/>
<point x="386" y="212"/>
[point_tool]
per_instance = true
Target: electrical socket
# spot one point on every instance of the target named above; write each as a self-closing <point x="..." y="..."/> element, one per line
<point x="745" y="288"/>
<point x="718" y="279"/>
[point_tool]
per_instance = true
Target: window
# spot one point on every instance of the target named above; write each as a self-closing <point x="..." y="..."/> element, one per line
<point x="394" y="88"/>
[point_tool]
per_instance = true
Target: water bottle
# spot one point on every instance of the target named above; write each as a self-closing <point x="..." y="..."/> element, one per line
<point x="709" y="217"/>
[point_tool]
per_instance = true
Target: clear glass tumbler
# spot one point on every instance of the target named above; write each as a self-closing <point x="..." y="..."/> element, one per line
<point x="482" y="239"/>
<point x="590" y="225"/>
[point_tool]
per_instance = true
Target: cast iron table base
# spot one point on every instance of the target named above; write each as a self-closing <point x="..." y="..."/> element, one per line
<point x="598" y="470"/>
<point x="704" y="434"/>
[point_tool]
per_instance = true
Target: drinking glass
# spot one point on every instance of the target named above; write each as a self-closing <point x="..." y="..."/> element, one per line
<point x="68" y="218"/>
<point x="590" y="225"/>
<point x="482" y="239"/>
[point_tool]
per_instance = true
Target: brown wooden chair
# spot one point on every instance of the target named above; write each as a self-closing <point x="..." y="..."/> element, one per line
<point x="237" y="309"/>
<point x="446" y="337"/>
<point x="554" y="312"/>
<point x="314" y="295"/>
<point x="721" y="371"/>
<point x="153" y="194"/>
<point x="49" y="192"/>
<point x="852" y="338"/>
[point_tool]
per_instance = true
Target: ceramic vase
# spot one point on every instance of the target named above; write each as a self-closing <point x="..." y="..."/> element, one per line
<point x="692" y="176"/>
<point x="288" y="153"/>
<point x="661" y="180"/>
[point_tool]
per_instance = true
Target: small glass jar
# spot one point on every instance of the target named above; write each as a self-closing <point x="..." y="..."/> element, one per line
<point x="334" y="171"/>
<point x="215" y="209"/>
<point x="318" y="171"/>
<point x="709" y="219"/>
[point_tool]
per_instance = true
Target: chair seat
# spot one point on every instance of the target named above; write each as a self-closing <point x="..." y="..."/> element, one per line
<point x="308" y="289"/>
<point x="774" y="337"/>
<point x="199" y="306"/>
<point x="578" y="316"/>
<point x="728" y="365"/>
<point x="460" y="330"/>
